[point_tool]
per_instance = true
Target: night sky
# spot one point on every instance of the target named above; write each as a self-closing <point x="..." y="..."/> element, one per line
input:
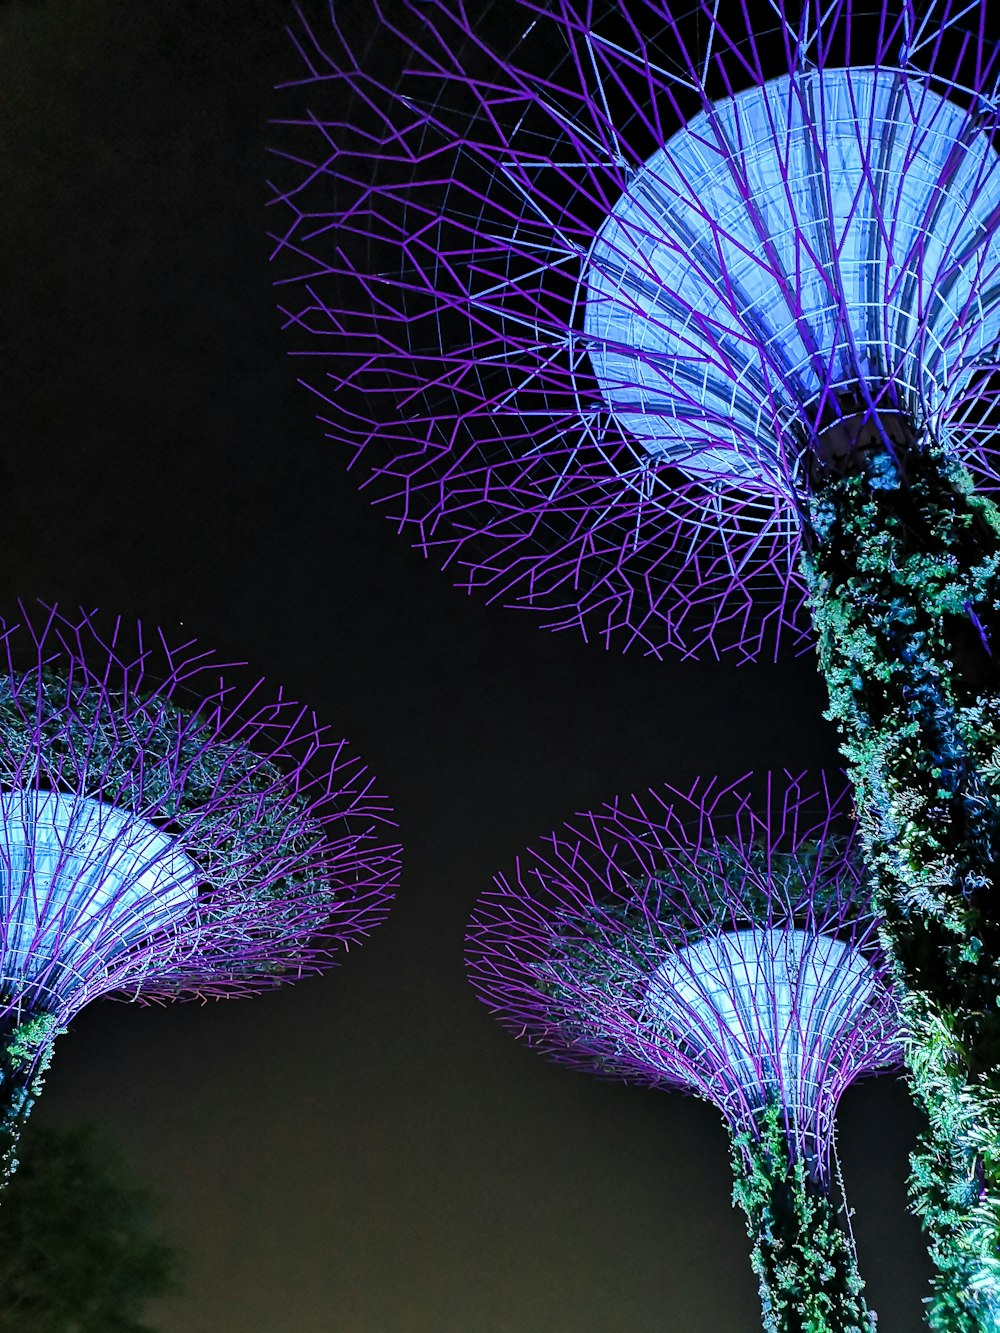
<point x="367" y="1151"/>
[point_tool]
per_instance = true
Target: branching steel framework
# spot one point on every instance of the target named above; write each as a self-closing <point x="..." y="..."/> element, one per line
<point x="583" y="368"/>
<point x="163" y="834"/>
<point x="679" y="327"/>
<point x="719" y="941"/>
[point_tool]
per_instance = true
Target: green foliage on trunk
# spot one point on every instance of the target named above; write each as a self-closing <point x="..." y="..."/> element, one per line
<point x="803" y="1257"/>
<point x="25" y="1055"/>
<point x="902" y="564"/>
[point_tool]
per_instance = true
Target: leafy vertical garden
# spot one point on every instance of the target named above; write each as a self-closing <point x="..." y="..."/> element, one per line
<point x="902" y="564"/>
<point x="802" y="1255"/>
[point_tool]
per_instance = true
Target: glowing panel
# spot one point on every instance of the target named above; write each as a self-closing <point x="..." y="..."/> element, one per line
<point x="798" y="238"/>
<point x="774" y="1006"/>
<point x="80" y="878"/>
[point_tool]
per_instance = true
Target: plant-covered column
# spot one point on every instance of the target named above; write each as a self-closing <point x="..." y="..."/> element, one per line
<point x="675" y="250"/>
<point x="902" y="566"/>
<point x="720" y="942"/>
<point x="25" y="1055"/>
<point x="802" y="1255"/>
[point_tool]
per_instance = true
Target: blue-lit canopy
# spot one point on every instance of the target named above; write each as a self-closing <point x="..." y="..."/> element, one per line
<point x="823" y="230"/>
<point x="778" y="1009"/>
<point x="79" y="877"/>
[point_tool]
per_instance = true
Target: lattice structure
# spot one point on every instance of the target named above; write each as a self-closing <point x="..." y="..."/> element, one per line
<point x="718" y="941"/>
<point x="164" y="834"/>
<point x="652" y="320"/>
<point x="590" y="287"/>
<point x="705" y="941"/>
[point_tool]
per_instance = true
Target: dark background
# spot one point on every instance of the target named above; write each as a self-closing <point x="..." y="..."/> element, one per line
<point x="365" y="1152"/>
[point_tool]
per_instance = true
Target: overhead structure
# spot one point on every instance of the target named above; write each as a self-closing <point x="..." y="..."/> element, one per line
<point x="680" y="324"/>
<point x="591" y="290"/>
<point x="163" y="834"/>
<point x="720" y="942"/>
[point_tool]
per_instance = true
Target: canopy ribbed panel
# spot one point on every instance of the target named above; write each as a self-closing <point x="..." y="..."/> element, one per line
<point x="825" y="230"/>
<point x="769" y="1012"/>
<point x="79" y="877"/>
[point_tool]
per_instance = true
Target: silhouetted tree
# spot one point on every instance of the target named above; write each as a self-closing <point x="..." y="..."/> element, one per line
<point x="79" y="1249"/>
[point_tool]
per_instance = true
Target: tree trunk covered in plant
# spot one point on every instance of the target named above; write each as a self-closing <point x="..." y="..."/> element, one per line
<point x="803" y="1257"/>
<point x="901" y="559"/>
<point x="25" y="1054"/>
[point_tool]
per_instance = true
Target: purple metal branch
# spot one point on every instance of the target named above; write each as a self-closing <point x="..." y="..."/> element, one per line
<point x="584" y="287"/>
<point x="719" y="941"/>
<point x="164" y="833"/>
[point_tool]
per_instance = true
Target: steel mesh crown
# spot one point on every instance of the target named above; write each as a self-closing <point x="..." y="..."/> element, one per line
<point x="586" y="285"/>
<point x="709" y="941"/>
<point x="163" y="833"/>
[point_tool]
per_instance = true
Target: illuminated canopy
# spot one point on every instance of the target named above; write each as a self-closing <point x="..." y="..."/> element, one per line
<point x="80" y="877"/>
<point x="774" y="1008"/>
<point x="691" y="941"/>
<point x="576" y="288"/>
<point x="818" y="232"/>
<point x="163" y="833"/>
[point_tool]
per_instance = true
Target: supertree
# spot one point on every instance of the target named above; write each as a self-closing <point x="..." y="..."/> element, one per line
<point x="681" y="328"/>
<point x="163" y="834"/>
<point x="720" y="942"/>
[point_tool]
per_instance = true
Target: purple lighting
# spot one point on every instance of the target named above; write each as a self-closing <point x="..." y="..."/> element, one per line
<point x="584" y="288"/>
<point x="164" y="834"/>
<point x="683" y="329"/>
<point x="712" y="942"/>
<point x="649" y="941"/>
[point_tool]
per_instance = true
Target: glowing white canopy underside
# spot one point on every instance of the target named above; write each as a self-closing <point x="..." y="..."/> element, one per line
<point x="816" y="231"/>
<point x="772" y="1007"/>
<point x="79" y="879"/>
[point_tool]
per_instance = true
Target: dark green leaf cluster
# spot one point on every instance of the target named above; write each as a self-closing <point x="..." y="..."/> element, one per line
<point x="709" y="890"/>
<point x="236" y="811"/>
<point x="600" y="960"/>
